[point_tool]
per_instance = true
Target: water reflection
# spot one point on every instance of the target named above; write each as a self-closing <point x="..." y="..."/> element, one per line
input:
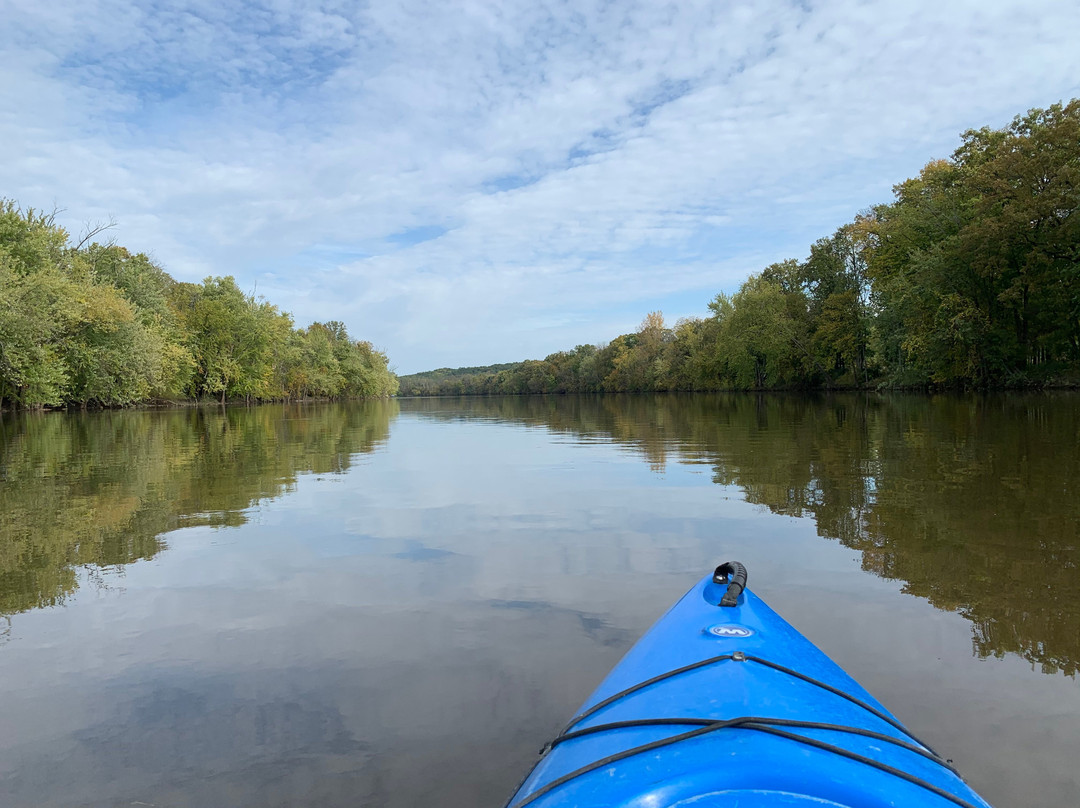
<point x="973" y="502"/>
<point x="100" y="490"/>
<point x="410" y="631"/>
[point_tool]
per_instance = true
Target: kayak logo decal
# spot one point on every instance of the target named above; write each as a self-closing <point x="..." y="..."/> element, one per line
<point x="731" y="631"/>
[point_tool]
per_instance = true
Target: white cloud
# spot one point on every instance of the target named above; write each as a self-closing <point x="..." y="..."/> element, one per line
<point x="648" y="153"/>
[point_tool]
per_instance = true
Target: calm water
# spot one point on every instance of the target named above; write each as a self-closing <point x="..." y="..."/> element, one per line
<point x="395" y="604"/>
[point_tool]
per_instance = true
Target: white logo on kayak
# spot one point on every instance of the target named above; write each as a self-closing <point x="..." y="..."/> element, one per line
<point x="730" y="631"/>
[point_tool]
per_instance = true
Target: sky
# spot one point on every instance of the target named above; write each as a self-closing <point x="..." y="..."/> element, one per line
<point x="465" y="183"/>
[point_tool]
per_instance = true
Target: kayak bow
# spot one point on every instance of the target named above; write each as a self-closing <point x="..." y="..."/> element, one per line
<point x="723" y="703"/>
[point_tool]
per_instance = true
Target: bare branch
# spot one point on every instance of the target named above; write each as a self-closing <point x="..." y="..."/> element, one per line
<point x="91" y="230"/>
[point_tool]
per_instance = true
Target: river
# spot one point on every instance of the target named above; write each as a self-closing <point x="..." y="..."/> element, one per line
<point x="396" y="603"/>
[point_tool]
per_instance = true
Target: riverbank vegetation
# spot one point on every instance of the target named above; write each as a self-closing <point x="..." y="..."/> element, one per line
<point x="93" y="324"/>
<point x="970" y="277"/>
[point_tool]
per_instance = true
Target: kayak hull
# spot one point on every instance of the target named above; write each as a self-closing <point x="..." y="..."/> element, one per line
<point x="800" y="731"/>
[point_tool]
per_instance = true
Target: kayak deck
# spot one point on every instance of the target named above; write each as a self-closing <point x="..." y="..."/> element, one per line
<point x="731" y="706"/>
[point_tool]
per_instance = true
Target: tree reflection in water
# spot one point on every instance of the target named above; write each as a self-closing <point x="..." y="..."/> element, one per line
<point x="972" y="502"/>
<point x="99" y="490"/>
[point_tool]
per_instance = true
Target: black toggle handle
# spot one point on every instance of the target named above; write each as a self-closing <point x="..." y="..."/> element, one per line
<point x="733" y="574"/>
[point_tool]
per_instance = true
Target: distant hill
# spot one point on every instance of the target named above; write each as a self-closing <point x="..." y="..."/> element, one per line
<point x="441" y="381"/>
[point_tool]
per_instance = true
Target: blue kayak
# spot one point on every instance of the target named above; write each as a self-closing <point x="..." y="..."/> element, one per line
<point x="723" y="703"/>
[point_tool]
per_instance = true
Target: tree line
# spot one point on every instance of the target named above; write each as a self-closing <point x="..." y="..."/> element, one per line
<point x="94" y="324"/>
<point x="969" y="278"/>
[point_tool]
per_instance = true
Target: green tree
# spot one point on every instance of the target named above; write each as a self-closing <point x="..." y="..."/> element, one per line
<point x="232" y="337"/>
<point x="974" y="264"/>
<point x="835" y="280"/>
<point x="762" y="336"/>
<point x="33" y="315"/>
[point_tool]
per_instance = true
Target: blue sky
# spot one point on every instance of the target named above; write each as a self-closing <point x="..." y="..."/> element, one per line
<point x="469" y="183"/>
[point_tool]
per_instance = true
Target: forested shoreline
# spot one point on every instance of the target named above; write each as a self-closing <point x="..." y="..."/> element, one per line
<point x="969" y="278"/>
<point x="92" y="324"/>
